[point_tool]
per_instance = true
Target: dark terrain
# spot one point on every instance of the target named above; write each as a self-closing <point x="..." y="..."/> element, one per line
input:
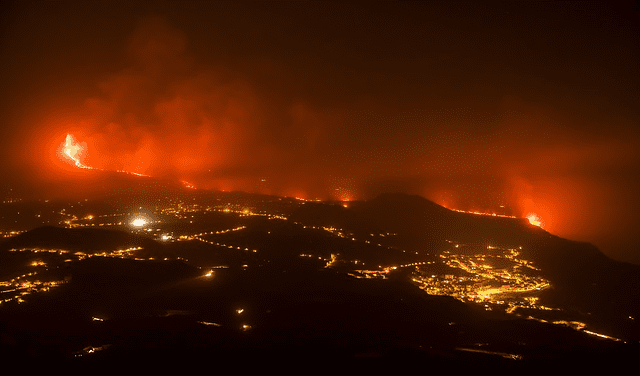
<point x="194" y="302"/>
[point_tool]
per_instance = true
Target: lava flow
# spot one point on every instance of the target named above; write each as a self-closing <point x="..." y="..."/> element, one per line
<point x="534" y="219"/>
<point x="72" y="150"/>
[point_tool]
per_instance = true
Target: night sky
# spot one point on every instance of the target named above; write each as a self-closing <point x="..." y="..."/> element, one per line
<point x="518" y="108"/>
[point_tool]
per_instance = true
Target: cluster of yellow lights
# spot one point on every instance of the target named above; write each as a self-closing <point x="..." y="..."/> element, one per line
<point x="10" y="234"/>
<point x="139" y="222"/>
<point x="484" y="282"/>
<point x="119" y="253"/>
<point x="24" y="285"/>
<point x="27" y="283"/>
<point x="331" y="261"/>
<point x="91" y="220"/>
<point x="182" y="210"/>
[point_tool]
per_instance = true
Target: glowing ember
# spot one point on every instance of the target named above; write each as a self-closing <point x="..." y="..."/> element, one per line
<point x="139" y="222"/>
<point x="534" y="219"/>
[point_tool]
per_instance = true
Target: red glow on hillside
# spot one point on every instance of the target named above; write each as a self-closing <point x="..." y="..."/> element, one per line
<point x="73" y="151"/>
<point x="534" y="219"/>
<point x="483" y="213"/>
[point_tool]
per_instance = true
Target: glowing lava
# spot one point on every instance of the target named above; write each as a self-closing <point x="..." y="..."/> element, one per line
<point x="72" y="150"/>
<point x="483" y="213"/>
<point x="534" y="219"/>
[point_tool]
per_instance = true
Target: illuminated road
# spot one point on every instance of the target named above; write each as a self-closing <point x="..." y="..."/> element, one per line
<point x="494" y="277"/>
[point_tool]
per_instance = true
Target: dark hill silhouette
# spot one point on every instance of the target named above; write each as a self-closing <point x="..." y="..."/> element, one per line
<point x="583" y="278"/>
<point x="269" y="306"/>
<point x="420" y="222"/>
<point x="78" y="239"/>
<point x="157" y="313"/>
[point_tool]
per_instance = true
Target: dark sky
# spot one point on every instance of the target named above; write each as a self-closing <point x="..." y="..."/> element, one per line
<point x="530" y="105"/>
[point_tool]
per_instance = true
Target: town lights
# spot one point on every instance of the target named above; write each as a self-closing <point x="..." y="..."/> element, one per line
<point x="138" y="222"/>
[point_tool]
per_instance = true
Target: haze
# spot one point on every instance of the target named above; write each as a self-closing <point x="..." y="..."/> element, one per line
<point x="509" y="108"/>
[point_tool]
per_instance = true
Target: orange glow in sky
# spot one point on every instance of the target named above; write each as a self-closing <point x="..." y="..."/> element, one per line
<point x="74" y="150"/>
<point x="561" y="150"/>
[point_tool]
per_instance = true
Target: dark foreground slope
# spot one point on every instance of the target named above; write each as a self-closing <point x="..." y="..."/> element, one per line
<point x="77" y="239"/>
<point x="276" y="309"/>
<point x="122" y="313"/>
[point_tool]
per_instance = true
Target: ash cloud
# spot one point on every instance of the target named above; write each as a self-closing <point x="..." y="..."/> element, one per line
<point x="168" y="115"/>
<point x="528" y="111"/>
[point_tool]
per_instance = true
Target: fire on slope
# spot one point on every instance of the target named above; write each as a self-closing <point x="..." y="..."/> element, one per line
<point x="533" y="218"/>
<point x="74" y="150"/>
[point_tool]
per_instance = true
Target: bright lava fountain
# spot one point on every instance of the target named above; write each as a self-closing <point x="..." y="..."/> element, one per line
<point x="72" y="149"/>
<point x="534" y="219"/>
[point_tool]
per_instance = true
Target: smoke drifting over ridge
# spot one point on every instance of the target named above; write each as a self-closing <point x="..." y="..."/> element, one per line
<point x="166" y="116"/>
<point x="467" y="115"/>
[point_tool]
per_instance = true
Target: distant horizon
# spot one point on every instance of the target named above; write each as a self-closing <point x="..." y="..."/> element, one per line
<point x="525" y="108"/>
<point x="487" y="213"/>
